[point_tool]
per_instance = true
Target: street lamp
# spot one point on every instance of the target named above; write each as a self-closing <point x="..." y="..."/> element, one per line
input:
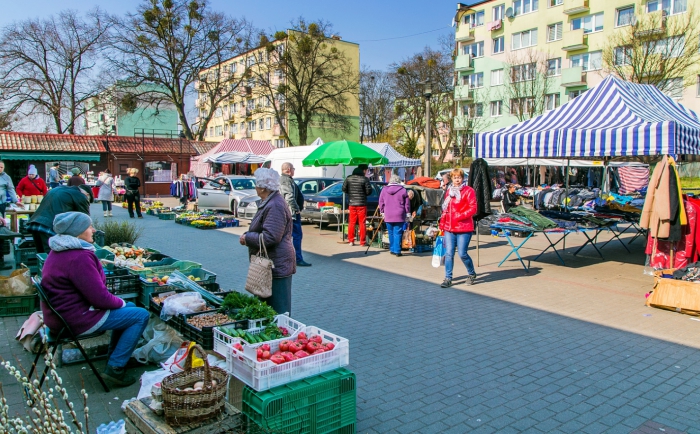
<point x="427" y="93"/>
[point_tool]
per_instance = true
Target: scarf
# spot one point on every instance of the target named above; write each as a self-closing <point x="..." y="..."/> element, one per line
<point x="59" y="243"/>
<point x="453" y="192"/>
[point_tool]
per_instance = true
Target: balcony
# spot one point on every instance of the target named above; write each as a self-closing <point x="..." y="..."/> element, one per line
<point x="572" y="7"/>
<point x="245" y="91"/>
<point x="248" y="134"/>
<point x="249" y="112"/>
<point x="574" y="40"/>
<point x="464" y="93"/>
<point x="572" y="77"/>
<point x="464" y="62"/>
<point x="467" y="35"/>
<point x="653" y="24"/>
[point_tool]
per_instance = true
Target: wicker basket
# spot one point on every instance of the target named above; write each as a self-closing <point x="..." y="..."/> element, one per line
<point x="185" y="407"/>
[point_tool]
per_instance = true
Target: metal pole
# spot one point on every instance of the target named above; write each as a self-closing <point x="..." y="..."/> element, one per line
<point x="426" y="150"/>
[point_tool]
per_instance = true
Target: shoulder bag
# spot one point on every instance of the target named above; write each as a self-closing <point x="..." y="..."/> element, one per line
<point x="259" y="280"/>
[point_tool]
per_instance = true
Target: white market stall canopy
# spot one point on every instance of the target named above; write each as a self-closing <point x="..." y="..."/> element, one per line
<point x="558" y="162"/>
<point x="234" y="157"/>
<point x="395" y="159"/>
<point x="615" y="118"/>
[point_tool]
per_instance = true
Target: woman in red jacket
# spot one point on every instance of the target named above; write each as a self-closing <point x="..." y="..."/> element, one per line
<point x="31" y="185"/>
<point x="457" y="222"/>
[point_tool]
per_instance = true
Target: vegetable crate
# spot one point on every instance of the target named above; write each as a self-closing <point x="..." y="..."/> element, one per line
<point x="166" y="216"/>
<point x="124" y="286"/>
<point x="184" y="266"/>
<point x="223" y="342"/>
<point x="325" y="403"/>
<point x="27" y="256"/>
<point x="18" y="305"/>
<point x="205" y="335"/>
<point x="266" y="375"/>
<point x="420" y="248"/>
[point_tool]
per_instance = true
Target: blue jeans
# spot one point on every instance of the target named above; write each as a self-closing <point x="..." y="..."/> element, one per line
<point x="53" y="184"/>
<point x="461" y="242"/>
<point x="297" y="235"/>
<point x="395" y="234"/>
<point x="106" y="205"/>
<point x="127" y="325"/>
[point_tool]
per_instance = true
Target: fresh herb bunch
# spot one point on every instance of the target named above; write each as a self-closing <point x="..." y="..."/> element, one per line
<point x="236" y="300"/>
<point x="258" y="310"/>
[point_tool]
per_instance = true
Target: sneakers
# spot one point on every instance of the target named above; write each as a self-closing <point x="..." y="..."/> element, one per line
<point x="471" y="279"/>
<point x="105" y="214"/>
<point x="352" y="243"/>
<point x="446" y="283"/>
<point x="109" y="213"/>
<point x="117" y="377"/>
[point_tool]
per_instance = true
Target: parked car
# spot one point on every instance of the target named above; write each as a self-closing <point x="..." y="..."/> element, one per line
<point x="225" y="192"/>
<point x="334" y="194"/>
<point x="248" y="206"/>
<point x="443" y="171"/>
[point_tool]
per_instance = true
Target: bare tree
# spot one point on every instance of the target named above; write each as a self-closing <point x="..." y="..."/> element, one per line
<point x="656" y="49"/>
<point x="376" y="104"/>
<point x="527" y="80"/>
<point x="472" y="116"/>
<point x="48" y="66"/>
<point x="309" y="78"/>
<point x="169" y="45"/>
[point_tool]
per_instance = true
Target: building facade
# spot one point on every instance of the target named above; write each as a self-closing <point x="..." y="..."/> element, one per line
<point x="103" y="115"/>
<point x="248" y="114"/>
<point x="499" y="45"/>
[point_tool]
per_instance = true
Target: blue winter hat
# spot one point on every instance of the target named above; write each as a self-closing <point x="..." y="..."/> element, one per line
<point x="71" y="223"/>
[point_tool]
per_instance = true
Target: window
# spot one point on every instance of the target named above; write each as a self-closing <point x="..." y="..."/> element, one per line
<point x="574" y="93"/>
<point x="499" y="45"/>
<point x="242" y="128"/>
<point x="522" y="106"/>
<point x="524" y="6"/>
<point x="219" y="130"/>
<point x="524" y="72"/>
<point x="524" y="39"/>
<point x="218" y="112"/>
<point x="697" y="87"/>
<point x="225" y="127"/>
<point x="673" y="87"/>
<point x="668" y="47"/>
<point x="554" y="31"/>
<point x="589" y="24"/>
<point x="475" y="80"/>
<point x="252" y="125"/>
<point x="624" y="16"/>
<point x="495" y="108"/>
<point x="234" y="128"/>
<point x="280" y="143"/>
<point x="478" y="111"/>
<point x="435" y="152"/>
<point x="551" y="101"/>
<point x="470" y="20"/>
<point x="554" y="67"/>
<point x="160" y="171"/>
<point x="268" y="123"/>
<point x="499" y="12"/>
<point x="553" y="3"/>
<point x="261" y="124"/>
<point x="496" y="77"/>
<point x="589" y="61"/>
<point x="476" y="49"/>
<point x="670" y="6"/>
<point x="211" y="131"/>
<point x="622" y="55"/>
<point x="479" y="19"/>
<point x="233" y="67"/>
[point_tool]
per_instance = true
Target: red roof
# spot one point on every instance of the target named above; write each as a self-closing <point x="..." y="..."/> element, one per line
<point x="148" y="145"/>
<point x="10" y="141"/>
<point x="203" y="147"/>
<point x="257" y="147"/>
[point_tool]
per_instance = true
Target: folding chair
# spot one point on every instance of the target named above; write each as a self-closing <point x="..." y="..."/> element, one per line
<point x="64" y="336"/>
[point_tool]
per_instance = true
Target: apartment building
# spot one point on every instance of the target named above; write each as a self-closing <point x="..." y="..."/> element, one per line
<point x="248" y="114"/>
<point x="569" y="34"/>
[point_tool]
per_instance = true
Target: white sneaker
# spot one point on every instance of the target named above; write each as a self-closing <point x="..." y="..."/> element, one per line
<point x="105" y="213"/>
<point x="109" y="213"/>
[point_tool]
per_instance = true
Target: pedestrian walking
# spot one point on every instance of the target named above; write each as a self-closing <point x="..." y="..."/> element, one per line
<point x="274" y="221"/>
<point x="457" y="222"/>
<point x="133" y="197"/>
<point x="357" y="187"/>
<point x="106" y="193"/>
<point x="31" y="185"/>
<point x="295" y="199"/>
<point x="54" y="176"/>
<point x="76" y="179"/>
<point x="7" y="190"/>
<point x="395" y="206"/>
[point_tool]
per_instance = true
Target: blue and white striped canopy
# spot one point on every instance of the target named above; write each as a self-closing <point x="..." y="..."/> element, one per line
<point x="395" y="159"/>
<point x="615" y="118"/>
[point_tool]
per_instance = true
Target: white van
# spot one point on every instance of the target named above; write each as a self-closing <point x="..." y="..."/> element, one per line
<point x="295" y="155"/>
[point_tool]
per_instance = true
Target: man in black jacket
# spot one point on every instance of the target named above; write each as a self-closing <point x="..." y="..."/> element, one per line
<point x="57" y="201"/>
<point x="357" y="187"/>
<point x="290" y="190"/>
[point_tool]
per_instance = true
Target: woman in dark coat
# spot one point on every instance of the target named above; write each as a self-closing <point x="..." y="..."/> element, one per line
<point x="274" y="221"/>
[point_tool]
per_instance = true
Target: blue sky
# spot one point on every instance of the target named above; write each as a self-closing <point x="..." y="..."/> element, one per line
<point x="379" y="26"/>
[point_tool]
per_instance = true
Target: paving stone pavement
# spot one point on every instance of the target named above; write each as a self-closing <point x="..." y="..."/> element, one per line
<point x="559" y="349"/>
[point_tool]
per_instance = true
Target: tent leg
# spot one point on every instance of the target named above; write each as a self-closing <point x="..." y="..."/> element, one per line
<point x="478" y="261"/>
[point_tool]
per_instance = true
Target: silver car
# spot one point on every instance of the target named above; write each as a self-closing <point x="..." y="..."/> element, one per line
<point x="248" y="206"/>
<point x="224" y="193"/>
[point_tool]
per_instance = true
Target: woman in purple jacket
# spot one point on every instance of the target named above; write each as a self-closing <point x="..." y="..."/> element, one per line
<point x="75" y="284"/>
<point x="394" y="204"/>
<point x="274" y="221"/>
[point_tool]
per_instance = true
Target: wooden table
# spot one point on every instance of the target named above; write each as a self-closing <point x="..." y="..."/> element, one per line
<point x="141" y="420"/>
<point x="13" y="217"/>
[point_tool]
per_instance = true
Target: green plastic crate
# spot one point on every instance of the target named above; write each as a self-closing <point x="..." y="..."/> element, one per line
<point x="322" y="404"/>
<point x="163" y="270"/>
<point x="18" y="305"/>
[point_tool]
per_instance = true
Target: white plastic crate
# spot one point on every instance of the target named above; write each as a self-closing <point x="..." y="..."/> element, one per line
<point x="222" y="341"/>
<point x="266" y="375"/>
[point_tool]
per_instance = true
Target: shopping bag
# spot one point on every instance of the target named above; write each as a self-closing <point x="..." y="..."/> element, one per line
<point x="408" y="241"/>
<point x="439" y="252"/>
<point x="259" y="280"/>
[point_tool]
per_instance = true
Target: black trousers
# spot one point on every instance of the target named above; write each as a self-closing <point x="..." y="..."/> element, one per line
<point x="133" y="199"/>
<point x="41" y="240"/>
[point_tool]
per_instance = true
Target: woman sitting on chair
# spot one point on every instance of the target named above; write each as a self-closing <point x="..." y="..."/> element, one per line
<point x="75" y="286"/>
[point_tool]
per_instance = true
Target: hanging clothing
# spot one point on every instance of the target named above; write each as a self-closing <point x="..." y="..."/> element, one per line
<point x="186" y="189"/>
<point x="632" y="178"/>
<point x="481" y="183"/>
<point x="656" y="214"/>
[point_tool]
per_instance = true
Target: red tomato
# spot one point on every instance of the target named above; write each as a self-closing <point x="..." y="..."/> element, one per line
<point x="238" y="346"/>
<point x="284" y="345"/>
<point x="277" y="353"/>
<point x="277" y="359"/>
<point x="313" y="346"/>
<point x="303" y="341"/>
<point x="259" y="352"/>
<point x="301" y="354"/>
<point x="329" y="346"/>
<point x="265" y="347"/>
<point x="288" y="356"/>
<point x="266" y="355"/>
<point x="319" y="351"/>
<point x="316" y="338"/>
<point x="301" y="335"/>
<point x="260" y="360"/>
<point x="295" y="346"/>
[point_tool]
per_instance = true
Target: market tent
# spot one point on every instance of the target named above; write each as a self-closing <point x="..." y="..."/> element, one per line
<point x="317" y="142"/>
<point x="234" y="157"/>
<point x="202" y="168"/>
<point x="615" y="118"/>
<point x="394" y="157"/>
<point x="558" y="162"/>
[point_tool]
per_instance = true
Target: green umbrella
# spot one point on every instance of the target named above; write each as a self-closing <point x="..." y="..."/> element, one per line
<point x="345" y="153"/>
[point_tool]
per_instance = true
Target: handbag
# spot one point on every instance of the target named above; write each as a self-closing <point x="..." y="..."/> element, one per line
<point x="439" y="252"/>
<point x="259" y="280"/>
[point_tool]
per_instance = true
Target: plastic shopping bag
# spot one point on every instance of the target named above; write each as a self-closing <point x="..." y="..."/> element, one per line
<point x="439" y="252"/>
<point x="163" y="341"/>
<point x="408" y="240"/>
<point x="182" y="303"/>
<point x="176" y="362"/>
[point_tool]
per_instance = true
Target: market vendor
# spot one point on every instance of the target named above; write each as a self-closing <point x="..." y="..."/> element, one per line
<point x="32" y="185"/>
<point x="7" y="190"/>
<point x="75" y="286"/>
<point x="510" y="199"/>
<point x="58" y="200"/>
